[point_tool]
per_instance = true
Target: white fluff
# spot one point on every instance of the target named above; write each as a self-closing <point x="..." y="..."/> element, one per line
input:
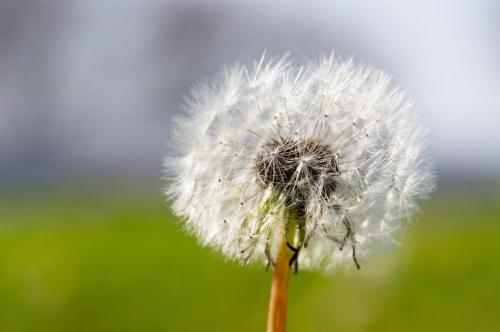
<point x="352" y="109"/>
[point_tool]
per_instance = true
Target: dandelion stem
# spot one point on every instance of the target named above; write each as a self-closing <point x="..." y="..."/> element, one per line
<point x="281" y="277"/>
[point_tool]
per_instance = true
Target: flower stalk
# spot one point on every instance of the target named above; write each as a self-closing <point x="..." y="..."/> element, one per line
<point x="278" y="301"/>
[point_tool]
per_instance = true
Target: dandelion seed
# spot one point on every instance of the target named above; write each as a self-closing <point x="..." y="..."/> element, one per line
<point x="321" y="163"/>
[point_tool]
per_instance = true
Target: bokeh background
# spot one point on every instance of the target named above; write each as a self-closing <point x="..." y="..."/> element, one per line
<point x="88" y="89"/>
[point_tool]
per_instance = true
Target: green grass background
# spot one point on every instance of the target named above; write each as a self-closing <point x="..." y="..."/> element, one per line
<point x="113" y="258"/>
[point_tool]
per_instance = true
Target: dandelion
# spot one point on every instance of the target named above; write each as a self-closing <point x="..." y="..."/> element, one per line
<point x="313" y="166"/>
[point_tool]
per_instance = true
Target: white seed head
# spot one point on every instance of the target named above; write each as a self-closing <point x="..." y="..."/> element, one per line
<point x="332" y="139"/>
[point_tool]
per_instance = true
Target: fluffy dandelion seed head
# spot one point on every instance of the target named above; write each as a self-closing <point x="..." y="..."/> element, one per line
<point x="332" y="139"/>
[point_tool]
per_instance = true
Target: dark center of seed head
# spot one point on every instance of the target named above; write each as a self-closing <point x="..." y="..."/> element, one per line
<point x="286" y="162"/>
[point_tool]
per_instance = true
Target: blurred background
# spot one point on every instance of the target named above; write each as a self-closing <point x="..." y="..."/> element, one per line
<point x="88" y="89"/>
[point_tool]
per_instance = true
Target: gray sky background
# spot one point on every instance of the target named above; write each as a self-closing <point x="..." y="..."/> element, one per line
<point x="90" y="86"/>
